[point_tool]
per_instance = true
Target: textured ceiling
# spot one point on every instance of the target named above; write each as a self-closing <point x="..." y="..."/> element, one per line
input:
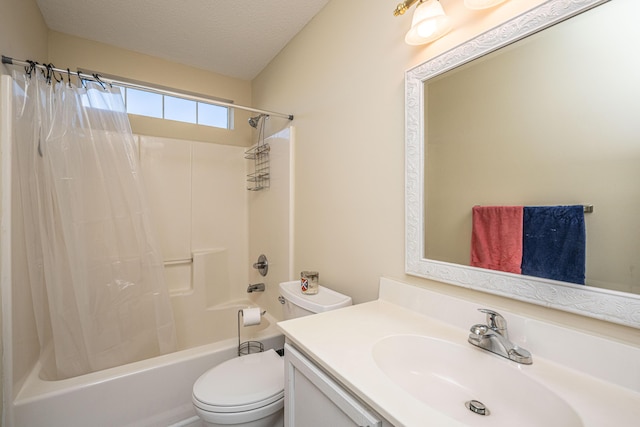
<point x="237" y="38"/>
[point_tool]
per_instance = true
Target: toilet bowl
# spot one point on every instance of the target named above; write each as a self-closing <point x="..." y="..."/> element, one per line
<point x="248" y="391"/>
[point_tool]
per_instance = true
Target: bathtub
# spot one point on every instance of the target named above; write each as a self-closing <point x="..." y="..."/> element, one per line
<point x="152" y="392"/>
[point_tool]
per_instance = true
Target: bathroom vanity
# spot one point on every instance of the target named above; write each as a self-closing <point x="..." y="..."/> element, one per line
<point x="405" y="360"/>
<point x="313" y="397"/>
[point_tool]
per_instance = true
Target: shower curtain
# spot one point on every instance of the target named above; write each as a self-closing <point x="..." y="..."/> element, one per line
<point x="95" y="271"/>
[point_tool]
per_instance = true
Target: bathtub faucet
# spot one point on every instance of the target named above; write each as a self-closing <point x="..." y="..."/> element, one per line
<point x="258" y="287"/>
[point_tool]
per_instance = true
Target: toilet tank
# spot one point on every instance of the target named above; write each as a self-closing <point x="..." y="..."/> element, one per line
<point x="296" y="304"/>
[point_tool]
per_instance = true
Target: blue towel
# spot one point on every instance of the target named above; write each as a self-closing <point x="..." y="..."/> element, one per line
<point x="554" y="243"/>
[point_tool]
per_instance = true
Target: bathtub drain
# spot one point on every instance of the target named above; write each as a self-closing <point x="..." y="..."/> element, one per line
<point x="477" y="407"/>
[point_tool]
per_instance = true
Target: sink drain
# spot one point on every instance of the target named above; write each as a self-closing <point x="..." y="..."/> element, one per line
<point x="477" y="407"/>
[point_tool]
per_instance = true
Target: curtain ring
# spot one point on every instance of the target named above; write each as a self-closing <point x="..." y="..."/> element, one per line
<point x="82" y="82"/>
<point x="51" y="67"/>
<point x="31" y="68"/>
<point x="69" y="77"/>
<point x="47" y="75"/>
<point x="97" y="77"/>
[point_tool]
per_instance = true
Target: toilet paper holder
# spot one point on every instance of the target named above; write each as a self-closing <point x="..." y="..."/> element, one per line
<point x="248" y="347"/>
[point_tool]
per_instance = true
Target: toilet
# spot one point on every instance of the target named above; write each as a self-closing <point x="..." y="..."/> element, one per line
<point x="248" y="391"/>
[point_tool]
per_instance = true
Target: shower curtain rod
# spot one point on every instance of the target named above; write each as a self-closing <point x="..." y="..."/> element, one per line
<point x="97" y="77"/>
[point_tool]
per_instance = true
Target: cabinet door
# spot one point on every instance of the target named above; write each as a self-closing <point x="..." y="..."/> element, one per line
<point x="313" y="399"/>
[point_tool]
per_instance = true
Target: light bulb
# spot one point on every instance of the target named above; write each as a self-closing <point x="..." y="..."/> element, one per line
<point x="429" y="23"/>
<point x="427" y="28"/>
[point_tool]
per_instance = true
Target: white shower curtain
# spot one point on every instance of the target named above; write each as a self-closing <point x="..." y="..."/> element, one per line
<point x="96" y="274"/>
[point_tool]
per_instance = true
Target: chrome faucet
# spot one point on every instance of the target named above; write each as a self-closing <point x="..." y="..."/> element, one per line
<point x="494" y="337"/>
<point x="258" y="287"/>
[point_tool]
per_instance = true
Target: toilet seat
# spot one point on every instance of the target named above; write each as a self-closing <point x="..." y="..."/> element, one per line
<point x="241" y="384"/>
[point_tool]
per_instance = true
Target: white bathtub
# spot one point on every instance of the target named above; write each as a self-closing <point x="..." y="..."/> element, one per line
<point x="152" y="392"/>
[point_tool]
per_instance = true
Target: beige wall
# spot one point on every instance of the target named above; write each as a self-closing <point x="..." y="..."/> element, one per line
<point x="23" y="33"/>
<point x="343" y="79"/>
<point x="76" y="53"/>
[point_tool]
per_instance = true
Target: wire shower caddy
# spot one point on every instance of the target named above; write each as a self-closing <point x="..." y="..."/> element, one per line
<point x="260" y="178"/>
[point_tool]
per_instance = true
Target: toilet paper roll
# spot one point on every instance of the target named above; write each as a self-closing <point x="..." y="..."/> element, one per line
<point x="251" y="316"/>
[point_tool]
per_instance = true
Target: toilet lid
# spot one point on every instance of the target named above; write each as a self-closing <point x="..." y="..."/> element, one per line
<point x="241" y="384"/>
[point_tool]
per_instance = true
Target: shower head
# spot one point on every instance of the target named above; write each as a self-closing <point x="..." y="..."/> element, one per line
<point x="253" y="121"/>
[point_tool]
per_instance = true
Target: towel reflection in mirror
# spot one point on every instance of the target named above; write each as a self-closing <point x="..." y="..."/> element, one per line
<point x="540" y="241"/>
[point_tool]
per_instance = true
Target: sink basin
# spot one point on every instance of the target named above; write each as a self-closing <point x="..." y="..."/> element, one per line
<point x="446" y="375"/>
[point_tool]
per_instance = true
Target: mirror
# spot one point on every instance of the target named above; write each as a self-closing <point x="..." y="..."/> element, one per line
<point x="439" y="104"/>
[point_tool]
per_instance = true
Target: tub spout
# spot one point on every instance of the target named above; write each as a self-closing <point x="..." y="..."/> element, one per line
<point x="258" y="287"/>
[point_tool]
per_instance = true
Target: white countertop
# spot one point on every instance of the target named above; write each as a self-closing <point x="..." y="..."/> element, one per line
<point x="341" y="343"/>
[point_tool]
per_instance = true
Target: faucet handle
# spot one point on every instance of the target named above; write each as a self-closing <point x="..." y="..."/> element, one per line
<point x="495" y="321"/>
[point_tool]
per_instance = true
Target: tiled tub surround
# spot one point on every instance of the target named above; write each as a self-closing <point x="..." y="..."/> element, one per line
<point x="597" y="377"/>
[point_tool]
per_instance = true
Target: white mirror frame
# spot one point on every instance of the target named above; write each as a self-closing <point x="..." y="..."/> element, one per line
<point x="612" y="306"/>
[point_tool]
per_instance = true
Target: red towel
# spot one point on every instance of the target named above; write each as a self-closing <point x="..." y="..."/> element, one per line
<point x="496" y="239"/>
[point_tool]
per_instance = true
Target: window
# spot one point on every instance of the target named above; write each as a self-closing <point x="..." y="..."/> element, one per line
<point x="151" y="104"/>
<point x="180" y="109"/>
<point x="143" y="103"/>
<point x="213" y="115"/>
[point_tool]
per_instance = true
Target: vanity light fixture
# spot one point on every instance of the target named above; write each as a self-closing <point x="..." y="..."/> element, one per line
<point x="482" y="4"/>
<point x="429" y="21"/>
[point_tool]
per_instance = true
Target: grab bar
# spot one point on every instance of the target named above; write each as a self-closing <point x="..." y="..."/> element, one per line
<point x="178" y="261"/>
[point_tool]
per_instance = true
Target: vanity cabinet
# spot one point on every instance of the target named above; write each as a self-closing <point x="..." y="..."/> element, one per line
<point x="313" y="399"/>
